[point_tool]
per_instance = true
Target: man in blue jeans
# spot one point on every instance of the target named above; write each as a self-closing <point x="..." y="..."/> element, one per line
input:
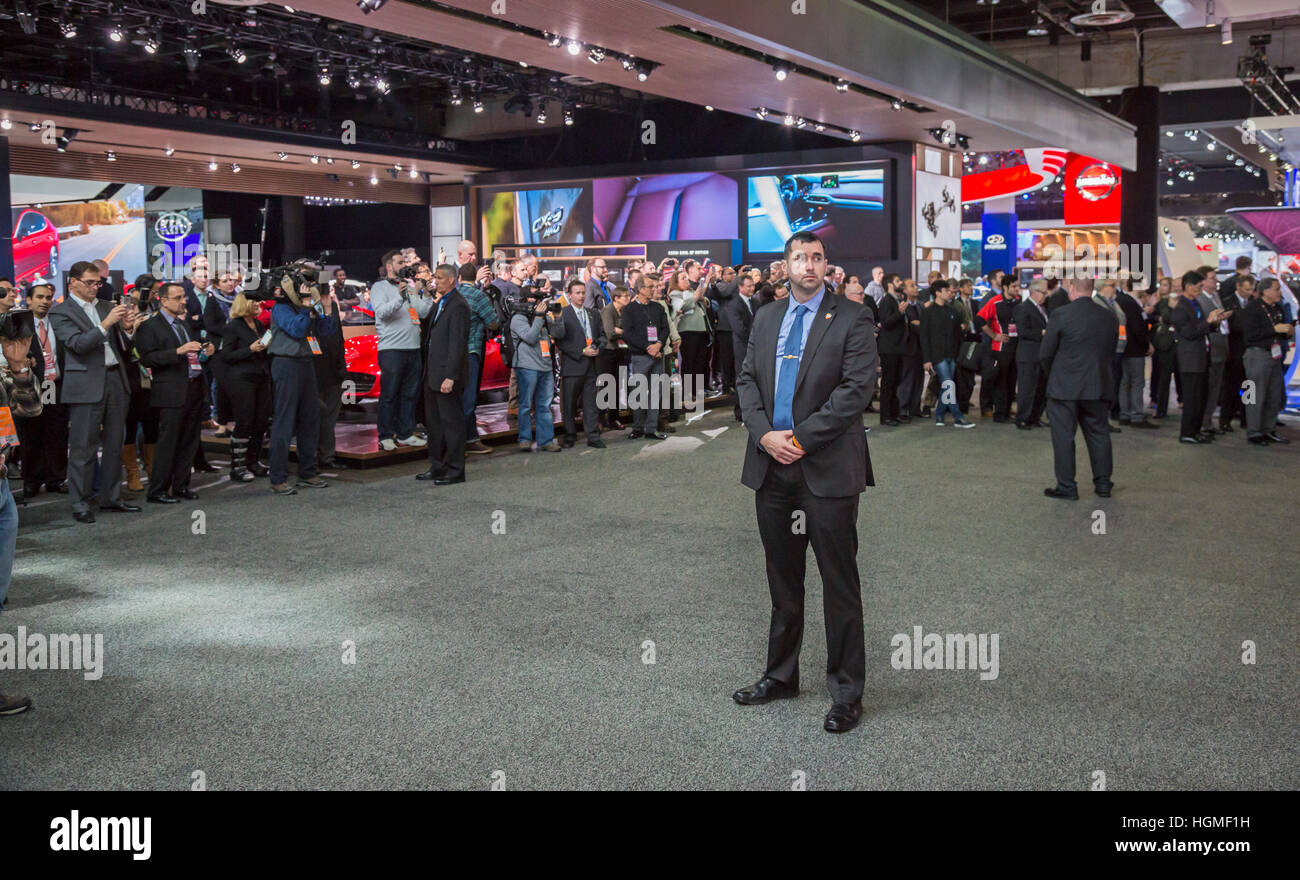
<point x="482" y="321"/>
<point x="941" y="338"/>
<point x="398" y="305"/>
<point x="20" y="396"/>
<point x="535" y="376"/>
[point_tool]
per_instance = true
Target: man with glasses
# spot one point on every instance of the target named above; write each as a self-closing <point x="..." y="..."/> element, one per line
<point x="95" y="390"/>
<point x="598" y="289"/>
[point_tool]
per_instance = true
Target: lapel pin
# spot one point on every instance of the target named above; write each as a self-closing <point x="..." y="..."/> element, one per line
<point x="828" y="316"/>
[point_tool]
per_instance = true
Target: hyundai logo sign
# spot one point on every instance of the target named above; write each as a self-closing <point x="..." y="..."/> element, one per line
<point x="996" y="242"/>
<point x="173" y="226"/>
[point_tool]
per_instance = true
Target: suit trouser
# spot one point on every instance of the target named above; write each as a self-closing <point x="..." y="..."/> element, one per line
<point x="695" y="357"/>
<point x="44" y="440"/>
<point x="469" y="399"/>
<point x="1266" y="372"/>
<point x="890" y="366"/>
<point x="1230" y="405"/>
<point x="331" y="402"/>
<point x="1093" y="417"/>
<point x="1162" y="368"/>
<point x="1004" y="381"/>
<point x="1133" y="379"/>
<point x="965" y="387"/>
<point x="727" y="366"/>
<point x="910" y="381"/>
<point x="575" y="390"/>
<point x="91" y="425"/>
<point x="831" y="528"/>
<point x="1193" y="404"/>
<point x="1213" y="387"/>
<point x="444" y="417"/>
<point x="1031" y="384"/>
<point x="179" y="429"/>
<point x="988" y="374"/>
<point x="297" y="413"/>
<point x="738" y="361"/>
<point x="609" y="362"/>
<point x="645" y="418"/>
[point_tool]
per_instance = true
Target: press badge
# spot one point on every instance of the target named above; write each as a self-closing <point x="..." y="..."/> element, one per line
<point x="1123" y="332"/>
<point x="8" y="435"/>
<point x="652" y="333"/>
<point x="1276" y="351"/>
<point x="196" y="369"/>
<point x="51" y="366"/>
<point x="545" y="345"/>
<point x="415" y="316"/>
<point x="1011" y="330"/>
<point x="315" y="346"/>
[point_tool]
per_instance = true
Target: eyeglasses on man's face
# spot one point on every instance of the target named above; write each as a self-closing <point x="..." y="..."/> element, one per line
<point x="91" y="282"/>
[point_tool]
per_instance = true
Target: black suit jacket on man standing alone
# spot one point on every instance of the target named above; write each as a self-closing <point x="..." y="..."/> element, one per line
<point x="1077" y="351"/>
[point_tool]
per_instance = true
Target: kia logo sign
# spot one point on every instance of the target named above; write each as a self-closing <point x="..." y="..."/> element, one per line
<point x="1096" y="182"/>
<point x="173" y="226"/>
<point x="996" y="242"/>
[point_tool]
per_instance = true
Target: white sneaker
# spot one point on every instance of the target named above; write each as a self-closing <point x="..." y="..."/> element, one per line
<point x="412" y="441"/>
<point x="387" y="444"/>
<point x="963" y="424"/>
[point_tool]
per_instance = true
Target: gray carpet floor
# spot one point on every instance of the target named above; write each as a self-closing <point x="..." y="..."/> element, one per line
<point x="521" y="653"/>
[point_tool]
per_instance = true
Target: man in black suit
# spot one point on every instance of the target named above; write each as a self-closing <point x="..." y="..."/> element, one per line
<point x="739" y="312"/>
<point x="447" y="373"/>
<point x="1076" y="353"/>
<point x="179" y="393"/>
<point x="806" y="379"/>
<point x="95" y="390"/>
<point x="579" y="342"/>
<point x="1031" y="381"/>
<point x="1234" y="372"/>
<point x="1057" y="295"/>
<point x="1192" y="328"/>
<point x="892" y="341"/>
<point x="44" y="438"/>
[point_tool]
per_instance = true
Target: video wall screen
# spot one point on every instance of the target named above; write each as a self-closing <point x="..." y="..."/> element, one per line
<point x="536" y="216"/>
<point x="665" y="207"/>
<point x="846" y="207"/>
<point x="58" y="222"/>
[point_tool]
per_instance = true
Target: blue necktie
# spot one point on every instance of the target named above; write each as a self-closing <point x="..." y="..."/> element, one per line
<point x="783" y="417"/>
<point x="442" y="302"/>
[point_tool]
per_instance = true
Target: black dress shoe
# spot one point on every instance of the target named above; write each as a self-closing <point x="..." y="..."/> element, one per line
<point x="84" y="516"/>
<point x="1274" y="438"/>
<point x="260" y="470"/>
<point x="1205" y="436"/>
<point x="1104" y="493"/>
<point x="448" y="481"/>
<point x="162" y="499"/>
<point x="596" y="444"/>
<point x="60" y="488"/>
<point x="430" y="474"/>
<point x="186" y="494"/>
<point x="1196" y="441"/>
<point x="843" y="717"/>
<point x="905" y="419"/>
<point x="656" y="435"/>
<point x="567" y="442"/>
<point x="121" y="507"/>
<point x="1260" y="440"/>
<point x="893" y="423"/>
<point x="635" y="433"/>
<point x="207" y="469"/>
<point x="1057" y="492"/>
<point x="765" y="690"/>
<point x="1225" y="429"/>
<point x="1024" y="426"/>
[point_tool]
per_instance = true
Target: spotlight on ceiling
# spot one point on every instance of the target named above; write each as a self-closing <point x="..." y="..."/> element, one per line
<point x="67" y="28"/>
<point x="782" y="71"/>
<point x="356" y="163"/>
<point x="456" y="99"/>
<point x="414" y="174"/>
<point x="212" y="166"/>
<point x="34" y="127"/>
<point x="761" y="113"/>
<point x="643" y="69"/>
<point x="596" y="55"/>
<point x="115" y="32"/>
<point x="354" y="78"/>
<point x="234" y="51"/>
<point x="896" y="104"/>
<point x="374" y="179"/>
<point x="801" y="123"/>
<point x="478" y="106"/>
<point x="315" y="160"/>
<point x="554" y="40"/>
<point x="573" y="47"/>
<point x="568" y="117"/>
<point x="628" y="62"/>
<point x="855" y="136"/>
<point x="234" y="166"/>
<point x="281" y="155"/>
<point x="708" y="107"/>
<point x="169" y="152"/>
<point x="329" y="160"/>
<point x="1211" y="145"/>
<point x="841" y="85"/>
<point x="541" y="116"/>
<point x="821" y="126"/>
<point x="111" y="156"/>
<point x="369" y="6"/>
<point x="152" y="43"/>
<point x="382" y="85"/>
<point x="61" y="144"/>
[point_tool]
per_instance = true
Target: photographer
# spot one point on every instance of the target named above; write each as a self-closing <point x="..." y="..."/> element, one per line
<point x="532" y="326"/>
<point x="296" y="329"/>
<point x="179" y="393"/>
<point x="19" y="396"/>
<point x="482" y="322"/>
<point x="399" y="304"/>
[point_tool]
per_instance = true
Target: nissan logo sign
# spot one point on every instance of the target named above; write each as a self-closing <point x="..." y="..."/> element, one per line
<point x="172" y="226"/>
<point x="1096" y="182"/>
<point x="996" y="242"/>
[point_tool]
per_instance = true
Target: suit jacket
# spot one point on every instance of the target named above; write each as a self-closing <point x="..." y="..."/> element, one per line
<point x="892" y="338"/>
<point x="1236" y="345"/>
<point x="1030" y="325"/>
<point x="82" y="345"/>
<point x="723" y="295"/>
<point x="912" y="339"/>
<point x="1192" y="351"/>
<point x="573" y="363"/>
<point x="448" y="354"/>
<point x="157" y="344"/>
<point x="740" y="319"/>
<point x="1056" y="299"/>
<point x="239" y="360"/>
<point x="1218" y="339"/>
<point x="967" y="316"/>
<point x="1135" y="326"/>
<point x="37" y="355"/>
<point x="1077" y="351"/>
<point x="836" y="377"/>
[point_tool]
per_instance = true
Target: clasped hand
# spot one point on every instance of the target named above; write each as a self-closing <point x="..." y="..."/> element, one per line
<point x="779" y="445"/>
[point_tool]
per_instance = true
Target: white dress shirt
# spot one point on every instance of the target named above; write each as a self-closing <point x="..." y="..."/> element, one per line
<point x="110" y="359"/>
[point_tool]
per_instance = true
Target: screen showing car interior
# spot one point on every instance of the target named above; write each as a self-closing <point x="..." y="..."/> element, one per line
<point x="665" y="207"/>
<point x="846" y="207"/>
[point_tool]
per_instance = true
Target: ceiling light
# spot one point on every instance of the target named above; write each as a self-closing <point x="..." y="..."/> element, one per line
<point x="369" y="6"/>
<point x="356" y="163"/>
<point x="115" y="32"/>
<point x="896" y="104"/>
<point x="414" y="173"/>
<point x="841" y="85"/>
<point x="554" y="40"/>
<point x="801" y="122"/>
<point x="761" y="113"/>
<point x="541" y="116"/>
<point x="235" y="52"/>
<point x="1169" y="182"/>
<point x="1192" y="137"/>
<point x="315" y="160"/>
<point x="1039" y="29"/>
<point x="281" y="155"/>
<point x="170" y="151"/>
<point x="628" y="62"/>
<point x="1225" y="35"/>
<point x="111" y="156"/>
<point x="855" y="136"/>
<point x="456" y="99"/>
<point x="1238" y="161"/>
<point x="329" y="160"/>
<point x="1191" y="175"/>
<point x="382" y="85"/>
<point x="1210" y="146"/>
<point x="212" y="166"/>
<point x="374" y="179"/>
<point x="354" y="78"/>
<point x="573" y="47"/>
<point x="6" y="124"/>
<point x="643" y="69"/>
<point x="325" y="78"/>
<point x="152" y="43"/>
<point x="782" y="71"/>
<point x="596" y="55"/>
<point x="478" y="106"/>
<point x="234" y="166"/>
<point x="820" y="126"/>
<point x="1169" y="133"/>
<point x="708" y="107"/>
<point x="984" y="160"/>
<point x="789" y="119"/>
<point x="568" y="117"/>
<point x="67" y="28"/>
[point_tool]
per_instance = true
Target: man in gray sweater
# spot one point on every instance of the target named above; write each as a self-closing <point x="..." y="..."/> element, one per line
<point x="398" y="305"/>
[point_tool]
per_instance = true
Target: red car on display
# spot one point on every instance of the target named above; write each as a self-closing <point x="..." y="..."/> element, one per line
<point x="361" y="353"/>
<point x="36" y="245"/>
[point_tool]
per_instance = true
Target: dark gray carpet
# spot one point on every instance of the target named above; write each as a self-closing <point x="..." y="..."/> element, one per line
<point x="521" y="652"/>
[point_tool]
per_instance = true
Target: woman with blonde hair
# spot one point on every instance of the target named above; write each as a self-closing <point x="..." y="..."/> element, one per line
<point x="248" y="381"/>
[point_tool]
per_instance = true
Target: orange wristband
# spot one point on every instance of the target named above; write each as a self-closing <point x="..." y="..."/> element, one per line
<point x="795" y="441"/>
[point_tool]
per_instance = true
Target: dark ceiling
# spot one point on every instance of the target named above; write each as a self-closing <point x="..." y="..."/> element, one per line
<point x="1013" y="19"/>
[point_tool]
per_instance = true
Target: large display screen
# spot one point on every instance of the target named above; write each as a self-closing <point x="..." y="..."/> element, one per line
<point x="844" y="206"/>
<point x="665" y="207"/>
<point x="536" y="216"/>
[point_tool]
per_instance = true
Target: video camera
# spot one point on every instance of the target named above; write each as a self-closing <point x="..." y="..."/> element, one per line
<point x="302" y="273"/>
<point x="526" y="304"/>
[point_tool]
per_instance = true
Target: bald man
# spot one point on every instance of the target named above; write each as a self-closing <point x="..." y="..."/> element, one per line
<point x="106" y="291"/>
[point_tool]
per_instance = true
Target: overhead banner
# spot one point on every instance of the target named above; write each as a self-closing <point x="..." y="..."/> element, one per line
<point x="1092" y="191"/>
